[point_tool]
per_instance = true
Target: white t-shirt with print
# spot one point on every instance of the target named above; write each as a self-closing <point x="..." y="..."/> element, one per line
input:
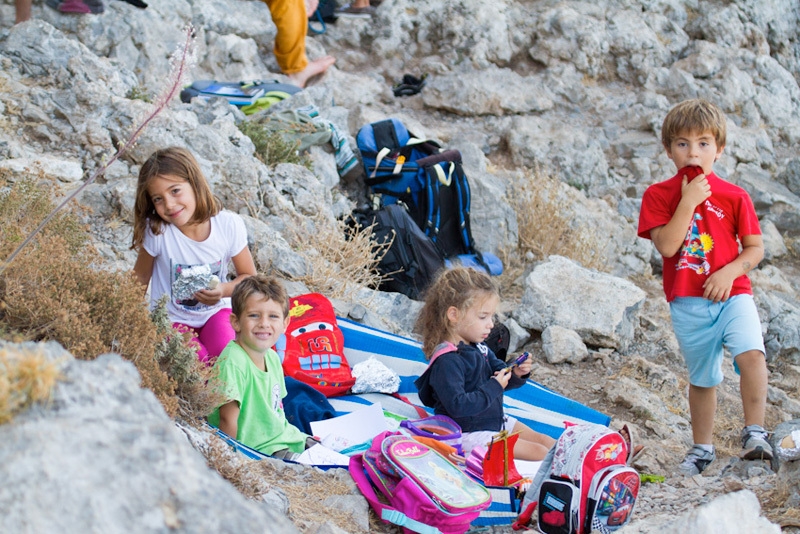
<point x="173" y="252"/>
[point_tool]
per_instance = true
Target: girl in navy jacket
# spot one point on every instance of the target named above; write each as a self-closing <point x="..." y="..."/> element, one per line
<point x="465" y="380"/>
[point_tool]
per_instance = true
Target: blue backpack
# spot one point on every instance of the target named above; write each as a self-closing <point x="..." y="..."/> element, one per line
<point x="429" y="182"/>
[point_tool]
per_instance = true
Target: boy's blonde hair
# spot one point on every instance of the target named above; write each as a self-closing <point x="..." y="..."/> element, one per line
<point x="179" y="163"/>
<point x="696" y="115"/>
<point x="268" y="286"/>
<point x="460" y="287"/>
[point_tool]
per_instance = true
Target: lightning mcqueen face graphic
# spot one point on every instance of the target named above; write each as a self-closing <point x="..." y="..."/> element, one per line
<point x="315" y="346"/>
<point x="324" y="350"/>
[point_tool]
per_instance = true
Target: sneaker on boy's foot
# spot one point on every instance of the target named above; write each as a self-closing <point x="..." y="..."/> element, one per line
<point x="696" y="460"/>
<point x="754" y="443"/>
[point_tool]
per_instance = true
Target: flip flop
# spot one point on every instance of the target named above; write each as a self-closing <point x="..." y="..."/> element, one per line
<point x="74" y="6"/>
<point x="137" y="3"/>
<point x="410" y="85"/>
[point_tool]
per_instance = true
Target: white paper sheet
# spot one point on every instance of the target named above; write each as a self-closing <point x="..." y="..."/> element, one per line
<point x="321" y="455"/>
<point x="351" y="429"/>
<point x="527" y="468"/>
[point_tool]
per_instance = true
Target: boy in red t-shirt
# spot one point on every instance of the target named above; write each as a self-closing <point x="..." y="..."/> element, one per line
<point x="697" y="221"/>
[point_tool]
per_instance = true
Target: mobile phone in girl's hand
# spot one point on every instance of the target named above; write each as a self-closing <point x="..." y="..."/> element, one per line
<point x="521" y="358"/>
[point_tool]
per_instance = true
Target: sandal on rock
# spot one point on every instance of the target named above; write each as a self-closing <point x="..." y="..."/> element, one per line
<point x="74" y="6"/>
<point x="349" y="10"/>
<point x="410" y="85"/>
<point x="136" y="3"/>
<point x="82" y="6"/>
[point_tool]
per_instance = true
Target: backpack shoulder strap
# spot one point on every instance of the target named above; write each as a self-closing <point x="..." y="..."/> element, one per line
<point x="463" y="193"/>
<point x="385" y="135"/>
<point x="442" y="348"/>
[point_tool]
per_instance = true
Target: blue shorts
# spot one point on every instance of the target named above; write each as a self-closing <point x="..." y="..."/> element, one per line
<point x="703" y="328"/>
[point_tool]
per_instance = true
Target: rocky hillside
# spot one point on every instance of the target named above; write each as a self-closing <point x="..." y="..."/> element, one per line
<point x="530" y="92"/>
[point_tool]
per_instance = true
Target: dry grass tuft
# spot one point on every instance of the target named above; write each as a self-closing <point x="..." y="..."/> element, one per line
<point x="321" y="487"/>
<point x="52" y="294"/>
<point x="793" y="245"/>
<point x="254" y="478"/>
<point x="773" y="503"/>
<point x="544" y="226"/>
<point x="26" y="202"/>
<point x="727" y="426"/>
<point x="242" y="472"/>
<point x="378" y="525"/>
<point x="26" y="377"/>
<point x="341" y="259"/>
<point x="56" y="290"/>
<point x="315" y="486"/>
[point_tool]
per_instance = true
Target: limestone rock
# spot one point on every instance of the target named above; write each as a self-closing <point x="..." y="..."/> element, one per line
<point x="103" y="455"/>
<point x="563" y="345"/>
<point x="599" y="307"/>
<point x="737" y="513"/>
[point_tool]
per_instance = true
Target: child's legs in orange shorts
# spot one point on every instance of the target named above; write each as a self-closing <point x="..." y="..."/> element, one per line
<point x="290" y="18"/>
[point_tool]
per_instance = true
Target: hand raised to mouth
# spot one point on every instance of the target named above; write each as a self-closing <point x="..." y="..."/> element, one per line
<point x="690" y="171"/>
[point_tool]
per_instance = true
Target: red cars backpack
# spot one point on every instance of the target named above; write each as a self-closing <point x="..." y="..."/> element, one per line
<point x="585" y="483"/>
<point x="314" y="351"/>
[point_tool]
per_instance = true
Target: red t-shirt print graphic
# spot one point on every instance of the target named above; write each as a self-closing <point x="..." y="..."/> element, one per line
<point x="695" y="249"/>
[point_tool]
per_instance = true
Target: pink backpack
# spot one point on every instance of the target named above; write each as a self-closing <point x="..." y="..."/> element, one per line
<point x="425" y="492"/>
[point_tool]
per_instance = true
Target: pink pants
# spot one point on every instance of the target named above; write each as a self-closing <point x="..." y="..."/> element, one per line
<point x="211" y="338"/>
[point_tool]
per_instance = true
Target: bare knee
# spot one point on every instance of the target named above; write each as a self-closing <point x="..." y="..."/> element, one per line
<point x="751" y="360"/>
<point x="529" y="450"/>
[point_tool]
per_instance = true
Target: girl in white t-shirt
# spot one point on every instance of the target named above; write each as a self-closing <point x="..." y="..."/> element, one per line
<point x="184" y="239"/>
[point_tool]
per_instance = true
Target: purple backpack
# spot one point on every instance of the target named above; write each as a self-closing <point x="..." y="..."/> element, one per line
<point x="425" y="492"/>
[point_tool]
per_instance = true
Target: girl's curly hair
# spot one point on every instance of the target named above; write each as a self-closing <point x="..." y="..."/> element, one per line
<point x="460" y="287"/>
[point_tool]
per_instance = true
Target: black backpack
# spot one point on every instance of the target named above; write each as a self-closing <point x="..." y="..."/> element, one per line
<point x="402" y="168"/>
<point x="499" y="340"/>
<point x="413" y="259"/>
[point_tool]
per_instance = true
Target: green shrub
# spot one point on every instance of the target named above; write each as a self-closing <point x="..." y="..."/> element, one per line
<point x="139" y="93"/>
<point x="271" y="147"/>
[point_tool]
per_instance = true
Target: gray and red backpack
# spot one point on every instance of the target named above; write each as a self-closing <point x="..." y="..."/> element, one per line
<point x="584" y="484"/>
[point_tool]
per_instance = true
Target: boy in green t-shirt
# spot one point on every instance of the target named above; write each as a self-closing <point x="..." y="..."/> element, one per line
<point x="250" y="372"/>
